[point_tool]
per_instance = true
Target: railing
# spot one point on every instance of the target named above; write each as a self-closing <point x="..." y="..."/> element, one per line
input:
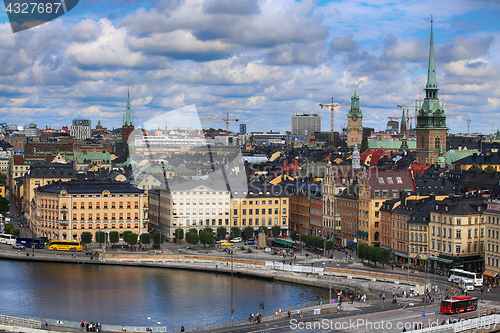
<point x="20" y="322"/>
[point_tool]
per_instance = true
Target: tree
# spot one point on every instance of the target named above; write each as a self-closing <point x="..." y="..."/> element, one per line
<point x="373" y="254"/>
<point x="131" y="238"/>
<point x="329" y="245"/>
<point x="86" y="238"/>
<point x="4" y="205"/>
<point x="295" y="235"/>
<point x="100" y="237"/>
<point x="207" y="236"/>
<point x="145" y="238"/>
<point x="235" y="232"/>
<point x="157" y="238"/>
<point x="15" y="232"/>
<point x="179" y="234"/>
<point x="248" y="232"/>
<point x="192" y="238"/>
<point x="276" y="230"/>
<point x="364" y="144"/>
<point x="489" y="169"/>
<point x="384" y="256"/>
<point x="125" y="235"/>
<point x="221" y="232"/>
<point x="363" y="251"/>
<point x="8" y="228"/>
<point x="114" y="237"/>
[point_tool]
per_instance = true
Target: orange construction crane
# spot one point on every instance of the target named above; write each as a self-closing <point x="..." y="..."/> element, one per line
<point x="227" y="120"/>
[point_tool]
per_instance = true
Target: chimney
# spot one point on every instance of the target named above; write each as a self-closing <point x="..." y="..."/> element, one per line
<point x="284" y="167"/>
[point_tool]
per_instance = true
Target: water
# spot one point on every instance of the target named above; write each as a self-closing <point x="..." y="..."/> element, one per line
<point x="128" y="295"/>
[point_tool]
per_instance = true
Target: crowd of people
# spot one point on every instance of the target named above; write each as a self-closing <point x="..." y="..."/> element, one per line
<point x="90" y="327"/>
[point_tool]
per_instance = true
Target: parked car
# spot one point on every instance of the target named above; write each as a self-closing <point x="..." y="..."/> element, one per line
<point x="236" y="240"/>
<point x="250" y="242"/>
<point x="18" y="246"/>
<point x="226" y="244"/>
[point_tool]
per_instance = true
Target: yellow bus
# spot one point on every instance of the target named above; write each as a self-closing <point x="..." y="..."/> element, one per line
<point x="65" y="246"/>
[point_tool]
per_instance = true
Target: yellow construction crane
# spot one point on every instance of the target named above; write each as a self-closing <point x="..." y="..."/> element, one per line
<point x="227" y="120"/>
<point x="332" y="110"/>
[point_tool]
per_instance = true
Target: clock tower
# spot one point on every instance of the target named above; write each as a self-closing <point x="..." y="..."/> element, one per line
<point x="354" y="122"/>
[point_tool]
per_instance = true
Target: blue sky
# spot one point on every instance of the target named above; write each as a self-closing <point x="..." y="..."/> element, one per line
<point x="261" y="61"/>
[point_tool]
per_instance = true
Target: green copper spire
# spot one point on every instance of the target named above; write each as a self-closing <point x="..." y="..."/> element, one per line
<point x="431" y="74"/>
<point x="128" y="115"/>
<point x="355" y="110"/>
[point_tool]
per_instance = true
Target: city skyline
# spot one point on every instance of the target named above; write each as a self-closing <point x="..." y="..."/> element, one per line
<point x="176" y="55"/>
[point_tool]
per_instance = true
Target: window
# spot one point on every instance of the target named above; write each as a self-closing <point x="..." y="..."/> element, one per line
<point x="437" y="143"/>
<point x="389" y="180"/>
<point x="458" y="234"/>
<point x="394" y="193"/>
<point x="399" y="180"/>
<point x="381" y="180"/>
<point x="235" y="211"/>
<point x="377" y="194"/>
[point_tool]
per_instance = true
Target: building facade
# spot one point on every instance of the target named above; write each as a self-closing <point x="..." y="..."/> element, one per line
<point x="81" y="129"/>
<point x="63" y="210"/>
<point x="306" y="124"/>
<point x="492" y="242"/>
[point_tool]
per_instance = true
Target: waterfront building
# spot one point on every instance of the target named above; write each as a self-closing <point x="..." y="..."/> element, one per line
<point x="261" y="204"/>
<point x="354" y="122"/>
<point x="457" y="231"/>
<point x="306" y="124"/>
<point x="431" y="119"/>
<point x="63" y="210"/>
<point x="492" y="241"/>
<point x="306" y="207"/>
<point x="348" y="212"/>
<point x="187" y="205"/>
<point x="42" y="174"/>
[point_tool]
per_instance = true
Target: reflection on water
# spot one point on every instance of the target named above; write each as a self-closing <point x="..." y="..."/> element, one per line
<point x="128" y="295"/>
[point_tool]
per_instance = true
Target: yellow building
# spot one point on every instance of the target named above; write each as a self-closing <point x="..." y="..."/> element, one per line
<point x="262" y="204"/>
<point x="492" y="242"/>
<point x="456" y="233"/>
<point x="63" y="210"/>
<point x="43" y="174"/>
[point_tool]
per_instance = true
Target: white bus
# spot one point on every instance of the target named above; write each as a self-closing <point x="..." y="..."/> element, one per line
<point x="456" y="275"/>
<point x="7" y="239"/>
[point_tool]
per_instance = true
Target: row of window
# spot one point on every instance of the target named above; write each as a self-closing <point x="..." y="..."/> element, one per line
<point x="90" y="205"/>
<point x="436" y="231"/>
<point x="458" y="220"/>
<point x="258" y="202"/>
<point x="493" y="262"/>
<point x="200" y="201"/>
<point x="448" y="246"/>
<point x="493" y="247"/>
<point x="263" y="211"/>
<point x="418" y="237"/>
<point x="90" y="216"/>
<point x="200" y="211"/>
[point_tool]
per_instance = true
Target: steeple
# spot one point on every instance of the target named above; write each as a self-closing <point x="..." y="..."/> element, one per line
<point x="128" y="115"/>
<point x="431" y="74"/>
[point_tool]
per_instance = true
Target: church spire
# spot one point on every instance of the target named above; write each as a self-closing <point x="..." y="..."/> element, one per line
<point x="128" y="115"/>
<point x="431" y="74"/>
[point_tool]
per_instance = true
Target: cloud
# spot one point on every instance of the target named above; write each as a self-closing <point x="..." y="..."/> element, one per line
<point x="290" y="54"/>
<point x="240" y="7"/>
<point x="463" y="48"/>
<point x="344" y="44"/>
<point x="459" y="25"/>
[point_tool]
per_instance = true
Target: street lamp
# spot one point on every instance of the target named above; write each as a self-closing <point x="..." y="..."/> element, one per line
<point x="154" y="328"/>
<point x="232" y="310"/>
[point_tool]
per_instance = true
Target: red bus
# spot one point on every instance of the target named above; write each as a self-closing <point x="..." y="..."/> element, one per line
<point x="459" y="304"/>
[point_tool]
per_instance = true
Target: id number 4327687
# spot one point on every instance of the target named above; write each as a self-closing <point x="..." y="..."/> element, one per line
<point x="33" y="8"/>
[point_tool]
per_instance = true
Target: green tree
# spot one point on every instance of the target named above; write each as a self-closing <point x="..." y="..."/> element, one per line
<point x="3" y="177"/>
<point x="476" y="167"/>
<point x="100" y="237"/>
<point x="125" y="235"/>
<point x="384" y="256"/>
<point x="364" y="144"/>
<point x="489" y="169"/>
<point x="158" y="238"/>
<point x="276" y="230"/>
<point x="221" y="232"/>
<point x="235" y="232"/>
<point x="131" y="238"/>
<point x="329" y="246"/>
<point x="145" y="238"/>
<point x="248" y="232"/>
<point x="363" y="251"/>
<point x="4" y="205"/>
<point x="192" y="238"/>
<point x="207" y="236"/>
<point x="294" y="235"/>
<point x="373" y="254"/>
<point x="179" y="234"/>
<point x="114" y="237"/>
<point x="8" y="228"/>
<point x="86" y="238"/>
<point x="15" y="232"/>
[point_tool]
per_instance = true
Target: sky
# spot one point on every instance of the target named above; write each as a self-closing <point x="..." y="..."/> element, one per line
<point x="259" y="61"/>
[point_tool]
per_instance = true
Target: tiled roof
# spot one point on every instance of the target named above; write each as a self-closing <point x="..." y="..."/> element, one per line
<point x="89" y="187"/>
<point x="389" y="180"/>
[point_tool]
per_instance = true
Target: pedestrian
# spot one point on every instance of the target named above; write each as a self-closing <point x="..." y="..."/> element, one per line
<point x="279" y="310"/>
<point x="338" y="308"/>
<point x="320" y="301"/>
<point x="289" y="313"/>
<point x="298" y="312"/>
<point x="182" y="329"/>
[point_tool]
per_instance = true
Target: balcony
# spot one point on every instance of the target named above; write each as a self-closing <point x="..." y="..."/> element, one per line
<point x="64" y="210"/>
